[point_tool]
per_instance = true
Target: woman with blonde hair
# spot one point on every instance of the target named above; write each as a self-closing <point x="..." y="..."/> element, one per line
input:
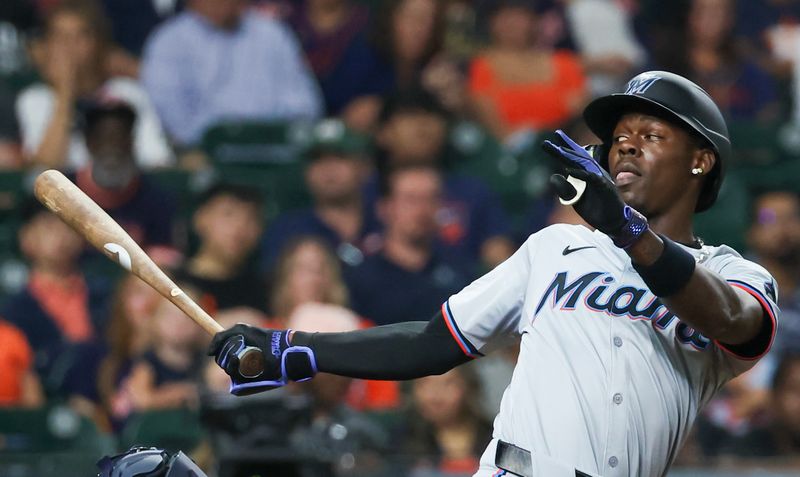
<point x="306" y="272"/>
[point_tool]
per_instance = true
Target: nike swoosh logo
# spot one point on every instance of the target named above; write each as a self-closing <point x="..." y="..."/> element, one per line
<point x="568" y="250"/>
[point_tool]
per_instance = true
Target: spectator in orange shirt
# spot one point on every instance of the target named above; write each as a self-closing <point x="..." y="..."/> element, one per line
<point x="59" y="310"/>
<point x="516" y="85"/>
<point x="19" y="383"/>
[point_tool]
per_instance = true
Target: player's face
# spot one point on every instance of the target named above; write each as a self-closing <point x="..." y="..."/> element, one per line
<point x="650" y="160"/>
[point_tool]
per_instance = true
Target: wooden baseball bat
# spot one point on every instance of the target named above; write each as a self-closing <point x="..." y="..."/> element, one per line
<point x="80" y="212"/>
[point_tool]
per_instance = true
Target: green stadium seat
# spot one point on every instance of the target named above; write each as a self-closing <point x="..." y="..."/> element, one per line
<point x="263" y="155"/>
<point x="170" y="429"/>
<point x="53" y="428"/>
<point x="256" y="142"/>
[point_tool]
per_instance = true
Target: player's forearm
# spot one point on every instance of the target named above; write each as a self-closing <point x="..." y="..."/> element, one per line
<point x="394" y="352"/>
<point x="703" y="300"/>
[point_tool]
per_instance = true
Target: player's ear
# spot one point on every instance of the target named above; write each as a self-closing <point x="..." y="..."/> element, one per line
<point x="703" y="160"/>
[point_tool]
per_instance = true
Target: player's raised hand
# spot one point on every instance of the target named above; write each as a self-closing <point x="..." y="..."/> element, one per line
<point x="282" y="361"/>
<point x="591" y="191"/>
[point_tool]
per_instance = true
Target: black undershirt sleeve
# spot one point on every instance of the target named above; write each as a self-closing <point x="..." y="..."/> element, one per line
<point x="400" y="351"/>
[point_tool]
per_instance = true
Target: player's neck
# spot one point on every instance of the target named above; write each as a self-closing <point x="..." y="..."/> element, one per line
<point x="675" y="224"/>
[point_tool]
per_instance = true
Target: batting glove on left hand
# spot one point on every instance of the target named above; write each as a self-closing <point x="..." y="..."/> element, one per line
<point x="282" y="361"/>
<point x="600" y="204"/>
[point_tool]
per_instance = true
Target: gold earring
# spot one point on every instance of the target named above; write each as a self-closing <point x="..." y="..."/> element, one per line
<point x="697" y="171"/>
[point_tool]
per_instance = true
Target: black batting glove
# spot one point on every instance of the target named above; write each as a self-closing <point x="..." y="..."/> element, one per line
<point x="599" y="203"/>
<point x="282" y="361"/>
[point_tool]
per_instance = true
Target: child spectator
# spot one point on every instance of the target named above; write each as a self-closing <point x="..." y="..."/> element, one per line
<point x="228" y="221"/>
<point x="336" y="171"/>
<point x="165" y="376"/>
<point x="72" y="59"/>
<point x="58" y="308"/>
<point x="127" y="338"/>
<point x="19" y="383"/>
<point x="515" y="84"/>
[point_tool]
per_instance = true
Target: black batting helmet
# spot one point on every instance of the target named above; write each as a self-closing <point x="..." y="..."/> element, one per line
<point x="148" y="462"/>
<point x="673" y="97"/>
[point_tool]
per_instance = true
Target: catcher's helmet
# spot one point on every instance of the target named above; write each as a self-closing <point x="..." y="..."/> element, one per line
<point x="673" y="97"/>
<point x="148" y="462"/>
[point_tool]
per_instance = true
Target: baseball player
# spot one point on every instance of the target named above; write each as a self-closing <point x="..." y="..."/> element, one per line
<point x="626" y="331"/>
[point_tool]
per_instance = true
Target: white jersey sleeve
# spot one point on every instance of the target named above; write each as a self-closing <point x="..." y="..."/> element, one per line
<point x="757" y="282"/>
<point x="486" y="314"/>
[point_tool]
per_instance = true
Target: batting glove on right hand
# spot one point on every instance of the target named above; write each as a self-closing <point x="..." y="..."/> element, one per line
<point x="282" y="361"/>
<point x="599" y="203"/>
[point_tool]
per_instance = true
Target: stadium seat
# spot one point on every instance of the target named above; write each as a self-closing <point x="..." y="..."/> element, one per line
<point x="170" y="429"/>
<point x="264" y="155"/>
<point x="53" y="440"/>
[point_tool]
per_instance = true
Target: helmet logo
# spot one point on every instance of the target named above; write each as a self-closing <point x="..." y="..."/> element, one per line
<point x="640" y="85"/>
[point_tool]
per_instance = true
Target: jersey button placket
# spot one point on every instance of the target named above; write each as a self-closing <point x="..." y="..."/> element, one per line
<point x="618" y="413"/>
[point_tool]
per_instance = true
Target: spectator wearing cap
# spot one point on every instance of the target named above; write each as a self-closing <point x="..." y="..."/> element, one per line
<point x="72" y="57"/>
<point x="411" y="274"/>
<point x="114" y="180"/>
<point x="336" y="171"/>
<point x="471" y="222"/>
<point x="228" y="222"/>
<point x="216" y="61"/>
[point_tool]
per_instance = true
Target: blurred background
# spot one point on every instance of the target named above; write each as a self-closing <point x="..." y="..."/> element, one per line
<point x="331" y="165"/>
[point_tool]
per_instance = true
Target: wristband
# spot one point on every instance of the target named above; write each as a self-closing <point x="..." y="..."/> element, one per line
<point x="671" y="272"/>
<point x="634" y="226"/>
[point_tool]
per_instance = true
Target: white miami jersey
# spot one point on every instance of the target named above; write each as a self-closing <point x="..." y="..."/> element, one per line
<point x="608" y="379"/>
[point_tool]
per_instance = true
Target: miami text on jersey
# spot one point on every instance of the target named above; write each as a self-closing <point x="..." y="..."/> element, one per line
<point x="617" y="300"/>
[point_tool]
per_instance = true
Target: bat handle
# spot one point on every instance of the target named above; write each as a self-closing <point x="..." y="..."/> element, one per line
<point x="251" y="362"/>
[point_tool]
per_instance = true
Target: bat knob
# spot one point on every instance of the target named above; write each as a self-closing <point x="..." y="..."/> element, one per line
<point x="251" y="362"/>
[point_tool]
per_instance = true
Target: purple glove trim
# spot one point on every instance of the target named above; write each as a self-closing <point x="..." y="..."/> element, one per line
<point x="237" y="388"/>
<point x="299" y="349"/>
<point x="635" y="226"/>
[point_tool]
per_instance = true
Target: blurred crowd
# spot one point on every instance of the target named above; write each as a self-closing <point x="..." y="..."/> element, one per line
<point x="329" y="165"/>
